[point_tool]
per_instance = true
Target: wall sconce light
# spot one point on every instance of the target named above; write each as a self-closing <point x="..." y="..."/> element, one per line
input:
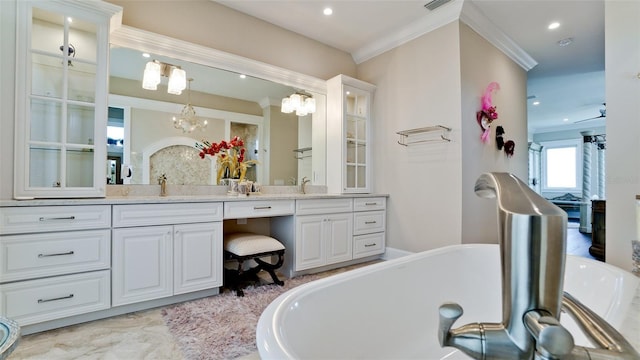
<point x="153" y="72"/>
<point x="302" y="103"/>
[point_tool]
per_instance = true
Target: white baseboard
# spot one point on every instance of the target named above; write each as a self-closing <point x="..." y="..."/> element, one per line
<point x="393" y="253"/>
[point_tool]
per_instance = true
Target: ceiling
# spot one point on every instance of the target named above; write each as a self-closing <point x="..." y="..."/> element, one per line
<point x="567" y="81"/>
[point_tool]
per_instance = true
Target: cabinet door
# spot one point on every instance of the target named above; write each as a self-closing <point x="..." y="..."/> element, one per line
<point x="356" y="122"/>
<point x="337" y="233"/>
<point x="197" y="253"/>
<point x="142" y="264"/>
<point x="61" y="93"/>
<point x="309" y="242"/>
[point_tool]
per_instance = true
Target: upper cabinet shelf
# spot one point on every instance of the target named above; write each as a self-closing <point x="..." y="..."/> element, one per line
<point x="405" y="135"/>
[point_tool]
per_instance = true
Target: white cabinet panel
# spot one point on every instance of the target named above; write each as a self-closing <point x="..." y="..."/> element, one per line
<point x="260" y="208"/>
<point x="339" y="229"/>
<point x="369" y="203"/>
<point x="322" y="240"/>
<point x="46" y="254"/>
<point x="165" y="214"/>
<point x="369" y="244"/>
<point x="309" y="244"/>
<point x="142" y="264"/>
<point x="34" y="301"/>
<point x="31" y="219"/>
<point x="323" y="206"/>
<point x="197" y="257"/>
<point x="368" y="222"/>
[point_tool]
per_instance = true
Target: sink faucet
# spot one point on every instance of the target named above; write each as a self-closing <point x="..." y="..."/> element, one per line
<point x="303" y="183"/>
<point x="162" y="181"/>
<point x="532" y="237"/>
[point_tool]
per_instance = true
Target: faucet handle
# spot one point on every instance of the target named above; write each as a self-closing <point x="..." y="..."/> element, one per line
<point x="552" y="339"/>
<point x="449" y="313"/>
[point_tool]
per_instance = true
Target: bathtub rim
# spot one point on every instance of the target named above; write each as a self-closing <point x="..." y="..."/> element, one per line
<point x="272" y="344"/>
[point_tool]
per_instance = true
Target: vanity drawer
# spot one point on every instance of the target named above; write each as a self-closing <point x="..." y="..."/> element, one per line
<point x="367" y="245"/>
<point x="32" y="219"/>
<point x="34" y="301"/>
<point x="367" y="222"/>
<point x="259" y="208"/>
<point x="370" y="203"/>
<point x="165" y="214"/>
<point x="323" y="206"/>
<point x="39" y="255"/>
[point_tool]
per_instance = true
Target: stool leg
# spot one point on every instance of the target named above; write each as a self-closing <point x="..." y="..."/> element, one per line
<point x="270" y="268"/>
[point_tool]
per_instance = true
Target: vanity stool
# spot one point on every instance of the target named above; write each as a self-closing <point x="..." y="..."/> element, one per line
<point x="248" y="246"/>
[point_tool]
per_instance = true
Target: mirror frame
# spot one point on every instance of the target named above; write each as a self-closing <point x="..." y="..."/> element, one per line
<point x="154" y="43"/>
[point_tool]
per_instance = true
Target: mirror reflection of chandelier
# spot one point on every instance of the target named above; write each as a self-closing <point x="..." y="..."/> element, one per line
<point x="300" y="102"/>
<point x="187" y="121"/>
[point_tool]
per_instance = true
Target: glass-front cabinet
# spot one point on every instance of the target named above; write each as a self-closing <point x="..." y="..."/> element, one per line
<point x="349" y="135"/>
<point x="61" y="90"/>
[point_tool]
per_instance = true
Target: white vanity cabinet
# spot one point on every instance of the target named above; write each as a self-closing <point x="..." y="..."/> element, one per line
<point x="162" y="250"/>
<point x="369" y="232"/>
<point x="61" y="97"/>
<point x="55" y="261"/>
<point x="323" y="232"/>
<point x="349" y="135"/>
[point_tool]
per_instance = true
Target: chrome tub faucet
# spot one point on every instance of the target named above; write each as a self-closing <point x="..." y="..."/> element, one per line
<point x="532" y="236"/>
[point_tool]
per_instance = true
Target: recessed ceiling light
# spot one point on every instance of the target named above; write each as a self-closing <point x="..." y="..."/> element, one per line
<point x="243" y="76"/>
<point x="146" y="55"/>
<point x="553" y="25"/>
<point x="565" y="42"/>
<point x="536" y="103"/>
<point x="327" y="11"/>
<point x="69" y="19"/>
<point x="565" y="119"/>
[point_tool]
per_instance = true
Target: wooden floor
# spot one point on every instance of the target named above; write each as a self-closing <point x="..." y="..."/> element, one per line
<point x="577" y="242"/>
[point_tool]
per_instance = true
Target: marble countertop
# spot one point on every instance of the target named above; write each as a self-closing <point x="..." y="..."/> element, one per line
<point x="149" y="194"/>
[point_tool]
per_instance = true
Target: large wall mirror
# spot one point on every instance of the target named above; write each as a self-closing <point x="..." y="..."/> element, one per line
<point x="235" y="96"/>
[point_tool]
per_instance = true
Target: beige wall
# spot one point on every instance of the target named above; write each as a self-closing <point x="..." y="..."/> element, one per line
<point x="438" y="79"/>
<point x="210" y="24"/>
<point x="418" y="85"/>
<point x="622" y="55"/>
<point x="482" y="63"/>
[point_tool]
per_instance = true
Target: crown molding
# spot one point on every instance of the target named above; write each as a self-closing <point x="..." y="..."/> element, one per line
<point x="475" y="19"/>
<point x="146" y="41"/>
<point x="463" y="10"/>
<point x="432" y="21"/>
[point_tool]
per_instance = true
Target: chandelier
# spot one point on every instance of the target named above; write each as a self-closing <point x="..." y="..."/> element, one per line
<point x="187" y="121"/>
<point x="300" y="102"/>
<point x="155" y="70"/>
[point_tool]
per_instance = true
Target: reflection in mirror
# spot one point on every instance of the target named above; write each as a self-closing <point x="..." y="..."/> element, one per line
<point x="232" y="105"/>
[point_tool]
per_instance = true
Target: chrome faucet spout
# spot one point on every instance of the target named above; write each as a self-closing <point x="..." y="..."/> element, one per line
<point x="532" y="238"/>
<point x="611" y="344"/>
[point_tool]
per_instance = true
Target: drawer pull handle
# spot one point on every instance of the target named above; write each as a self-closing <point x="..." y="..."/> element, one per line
<point x="369" y="245"/>
<point x="261" y="207"/>
<point x="370" y="222"/>
<point x="57" y="218"/>
<point x="56" y="254"/>
<point x="370" y="204"/>
<point x="40" y="301"/>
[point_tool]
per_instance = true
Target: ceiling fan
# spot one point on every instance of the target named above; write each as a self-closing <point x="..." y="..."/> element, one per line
<point x="603" y="115"/>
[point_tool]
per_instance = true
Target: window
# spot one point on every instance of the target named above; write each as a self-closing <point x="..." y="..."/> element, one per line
<point x="561" y="166"/>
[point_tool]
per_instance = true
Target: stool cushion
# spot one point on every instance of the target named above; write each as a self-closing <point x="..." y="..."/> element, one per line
<point x="243" y="244"/>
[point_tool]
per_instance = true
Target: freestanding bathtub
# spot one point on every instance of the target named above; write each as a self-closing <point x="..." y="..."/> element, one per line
<point x="389" y="310"/>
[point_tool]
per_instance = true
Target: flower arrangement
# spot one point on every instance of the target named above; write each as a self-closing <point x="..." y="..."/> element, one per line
<point x="488" y="112"/>
<point x="230" y="156"/>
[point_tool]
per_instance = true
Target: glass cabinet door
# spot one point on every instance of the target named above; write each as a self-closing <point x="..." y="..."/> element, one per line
<point x="62" y="90"/>
<point x="356" y="104"/>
